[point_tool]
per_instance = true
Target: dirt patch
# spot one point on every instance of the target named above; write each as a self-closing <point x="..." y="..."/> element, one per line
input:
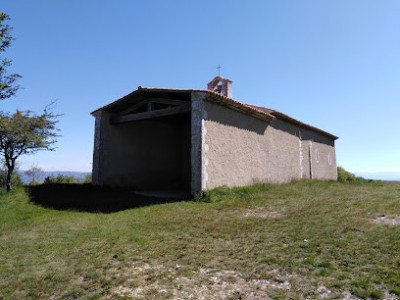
<point x="147" y="282"/>
<point x="263" y="213"/>
<point x="387" y="219"/>
<point x="324" y="292"/>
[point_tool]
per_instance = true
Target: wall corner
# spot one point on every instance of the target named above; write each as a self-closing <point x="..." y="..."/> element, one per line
<point x="198" y="159"/>
<point x="98" y="149"/>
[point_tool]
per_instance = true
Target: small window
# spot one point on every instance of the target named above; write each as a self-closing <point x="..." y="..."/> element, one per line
<point x="329" y="159"/>
<point x="316" y="155"/>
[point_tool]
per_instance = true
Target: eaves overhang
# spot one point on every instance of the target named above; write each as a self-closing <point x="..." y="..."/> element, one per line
<point x="259" y="112"/>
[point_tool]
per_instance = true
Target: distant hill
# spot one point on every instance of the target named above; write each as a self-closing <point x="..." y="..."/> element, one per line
<point x="78" y="175"/>
<point x="390" y="176"/>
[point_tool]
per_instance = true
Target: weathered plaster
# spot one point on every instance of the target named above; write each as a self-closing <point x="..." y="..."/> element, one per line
<point x="301" y="158"/>
<point x="215" y="146"/>
<point x="244" y="150"/>
<point x="198" y="147"/>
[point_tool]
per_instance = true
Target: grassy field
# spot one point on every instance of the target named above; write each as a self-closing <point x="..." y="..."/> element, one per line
<point x="306" y="239"/>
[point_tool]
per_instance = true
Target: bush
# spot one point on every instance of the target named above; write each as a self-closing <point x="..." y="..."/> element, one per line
<point x="203" y="197"/>
<point x="88" y="178"/>
<point x="67" y="179"/>
<point x="345" y="176"/>
<point x="59" y="179"/>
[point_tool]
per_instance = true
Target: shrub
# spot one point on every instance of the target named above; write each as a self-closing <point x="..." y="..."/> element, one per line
<point x="59" y="179"/>
<point x="345" y="176"/>
<point x="203" y="197"/>
<point x="88" y="178"/>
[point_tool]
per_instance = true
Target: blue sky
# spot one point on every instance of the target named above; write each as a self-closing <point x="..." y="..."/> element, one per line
<point x="332" y="64"/>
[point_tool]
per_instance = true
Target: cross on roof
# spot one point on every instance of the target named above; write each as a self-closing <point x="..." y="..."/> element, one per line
<point x="219" y="70"/>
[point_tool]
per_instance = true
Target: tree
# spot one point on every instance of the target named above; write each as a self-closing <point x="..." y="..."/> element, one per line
<point x="15" y="178"/>
<point x="60" y="178"/>
<point x="7" y="82"/>
<point x="88" y="178"/>
<point x="24" y="133"/>
<point x="35" y="174"/>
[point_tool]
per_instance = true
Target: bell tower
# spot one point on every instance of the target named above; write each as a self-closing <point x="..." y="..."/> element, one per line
<point x="221" y="86"/>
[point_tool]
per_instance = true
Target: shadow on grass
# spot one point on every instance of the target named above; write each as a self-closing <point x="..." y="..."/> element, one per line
<point x="88" y="198"/>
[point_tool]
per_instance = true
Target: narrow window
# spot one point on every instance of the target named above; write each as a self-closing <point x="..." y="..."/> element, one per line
<point x="329" y="159"/>
<point x="316" y="155"/>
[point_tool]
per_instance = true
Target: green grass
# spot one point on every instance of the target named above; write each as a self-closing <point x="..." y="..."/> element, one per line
<point x="320" y="234"/>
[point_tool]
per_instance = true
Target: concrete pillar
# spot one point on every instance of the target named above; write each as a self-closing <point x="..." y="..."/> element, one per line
<point x="197" y="141"/>
<point x="102" y="119"/>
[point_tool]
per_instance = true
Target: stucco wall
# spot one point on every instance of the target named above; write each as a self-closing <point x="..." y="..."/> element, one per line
<point x="148" y="154"/>
<point x="323" y="165"/>
<point x="215" y="146"/>
<point x="242" y="150"/>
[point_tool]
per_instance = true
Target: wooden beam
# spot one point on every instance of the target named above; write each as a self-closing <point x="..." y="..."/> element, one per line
<point x="154" y="100"/>
<point x="168" y="101"/>
<point x="134" y="107"/>
<point x="150" y="106"/>
<point x="170" y="111"/>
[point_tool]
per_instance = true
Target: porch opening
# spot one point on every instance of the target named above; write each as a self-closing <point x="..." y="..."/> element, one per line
<point x="152" y="154"/>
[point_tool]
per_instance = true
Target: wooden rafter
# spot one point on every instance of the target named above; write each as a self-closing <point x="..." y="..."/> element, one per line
<point x="134" y="107"/>
<point x="170" y="111"/>
<point x="148" y="102"/>
<point x="168" y="101"/>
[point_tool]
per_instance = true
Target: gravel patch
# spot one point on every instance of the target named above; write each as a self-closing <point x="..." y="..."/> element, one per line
<point x="204" y="284"/>
<point x="145" y="281"/>
<point x="387" y="219"/>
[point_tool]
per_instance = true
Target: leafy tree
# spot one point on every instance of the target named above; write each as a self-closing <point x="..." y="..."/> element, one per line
<point x="35" y="175"/>
<point x="88" y="178"/>
<point x="7" y="82"/>
<point x="59" y="179"/>
<point x="15" y="178"/>
<point x="24" y="133"/>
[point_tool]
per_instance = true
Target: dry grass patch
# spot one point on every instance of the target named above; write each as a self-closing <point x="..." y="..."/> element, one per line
<point x="387" y="220"/>
<point x="145" y="281"/>
<point x="263" y="213"/>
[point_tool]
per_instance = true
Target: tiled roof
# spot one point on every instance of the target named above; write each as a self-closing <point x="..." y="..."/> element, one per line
<point x="289" y="119"/>
<point x="260" y="112"/>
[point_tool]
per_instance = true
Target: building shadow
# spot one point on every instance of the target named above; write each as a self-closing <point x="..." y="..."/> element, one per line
<point x="89" y="198"/>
